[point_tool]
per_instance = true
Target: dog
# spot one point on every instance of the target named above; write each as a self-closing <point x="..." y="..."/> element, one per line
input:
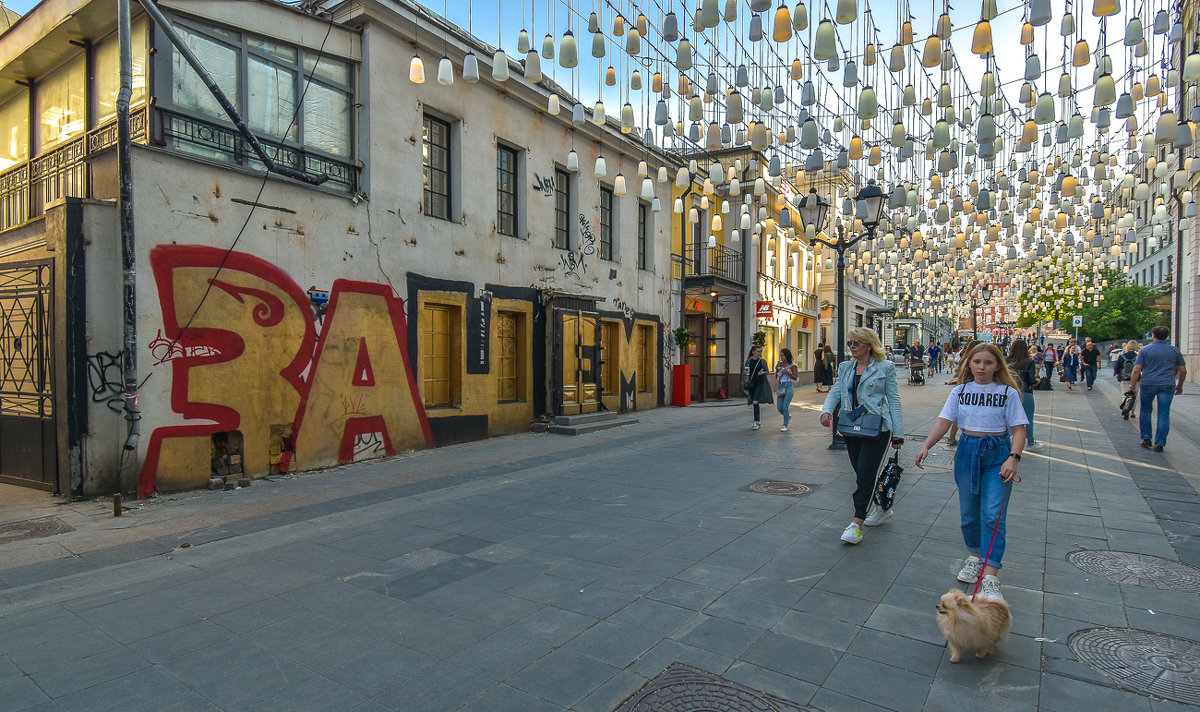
<point x="977" y="626"/>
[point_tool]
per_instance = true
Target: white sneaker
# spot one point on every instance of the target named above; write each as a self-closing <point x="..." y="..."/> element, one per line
<point x="971" y="570"/>
<point x="1035" y="446"/>
<point x="852" y="534"/>
<point x="877" y="516"/>
<point x="990" y="589"/>
<point x="783" y="428"/>
<point x="754" y="427"/>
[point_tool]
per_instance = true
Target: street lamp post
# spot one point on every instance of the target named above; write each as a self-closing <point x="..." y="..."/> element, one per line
<point x="813" y="213"/>
<point x="978" y="298"/>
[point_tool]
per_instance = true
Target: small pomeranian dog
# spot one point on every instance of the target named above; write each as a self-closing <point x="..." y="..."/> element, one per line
<point x="977" y="626"/>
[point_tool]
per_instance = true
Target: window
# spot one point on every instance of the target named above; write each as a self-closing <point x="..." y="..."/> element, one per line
<point x="562" y="209"/>
<point x="606" y="223"/>
<point x="435" y="156"/>
<point x="510" y="368"/>
<point x="610" y="363"/>
<point x="439" y="357"/>
<point x="61" y="103"/>
<point x="643" y="230"/>
<point x="646" y="358"/>
<point x="107" y="75"/>
<point x="286" y="94"/>
<point x="14" y="143"/>
<point x="506" y="190"/>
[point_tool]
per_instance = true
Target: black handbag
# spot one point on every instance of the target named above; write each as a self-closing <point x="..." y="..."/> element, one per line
<point x="859" y="423"/>
<point x="889" y="480"/>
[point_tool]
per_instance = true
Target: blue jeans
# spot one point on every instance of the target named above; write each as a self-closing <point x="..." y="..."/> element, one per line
<point x="1027" y="401"/>
<point x="1089" y="375"/>
<point x="982" y="495"/>
<point x="1164" y="395"/>
<point x="783" y="402"/>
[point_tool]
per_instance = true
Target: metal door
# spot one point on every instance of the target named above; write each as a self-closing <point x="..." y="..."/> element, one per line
<point x="28" y="436"/>
<point x="581" y="393"/>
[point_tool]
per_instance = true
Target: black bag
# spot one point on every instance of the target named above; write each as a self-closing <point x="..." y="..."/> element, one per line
<point x="858" y="423"/>
<point x="1043" y="384"/>
<point x="889" y="480"/>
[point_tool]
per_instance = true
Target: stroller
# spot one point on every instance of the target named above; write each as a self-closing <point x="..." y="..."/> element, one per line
<point x="1128" y="403"/>
<point x="916" y="372"/>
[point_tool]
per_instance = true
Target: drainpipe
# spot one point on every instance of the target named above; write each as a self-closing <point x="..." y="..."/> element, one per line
<point x="128" y="254"/>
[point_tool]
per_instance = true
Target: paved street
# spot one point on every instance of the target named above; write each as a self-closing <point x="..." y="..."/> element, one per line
<point x="542" y="572"/>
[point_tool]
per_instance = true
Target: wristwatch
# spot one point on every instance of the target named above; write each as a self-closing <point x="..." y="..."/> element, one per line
<point x="1016" y="455"/>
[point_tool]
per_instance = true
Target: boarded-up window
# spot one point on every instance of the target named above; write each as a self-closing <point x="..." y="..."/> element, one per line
<point x="508" y="357"/>
<point x="647" y="357"/>
<point x="439" y="326"/>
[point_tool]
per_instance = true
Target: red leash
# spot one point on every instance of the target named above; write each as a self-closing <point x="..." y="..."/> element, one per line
<point x="995" y="529"/>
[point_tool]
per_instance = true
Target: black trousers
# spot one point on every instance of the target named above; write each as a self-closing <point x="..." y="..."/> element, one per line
<point x="866" y="457"/>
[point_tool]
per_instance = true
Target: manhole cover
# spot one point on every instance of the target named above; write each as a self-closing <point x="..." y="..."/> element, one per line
<point x="33" y="528"/>
<point x="1151" y="663"/>
<point x="789" y="489"/>
<point x="680" y="688"/>
<point x="1138" y="569"/>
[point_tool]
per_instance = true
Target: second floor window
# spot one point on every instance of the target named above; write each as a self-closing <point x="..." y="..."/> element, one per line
<point x="643" y="254"/>
<point x="435" y="155"/>
<point x="562" y="209"/>
<point x="506" y="191"/>
<point x="606" y="223"/>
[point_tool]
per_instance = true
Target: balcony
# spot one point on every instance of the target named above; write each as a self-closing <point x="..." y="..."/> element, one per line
<point x="713" y="269"/>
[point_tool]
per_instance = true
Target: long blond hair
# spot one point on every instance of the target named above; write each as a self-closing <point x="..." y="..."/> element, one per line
<point x="1003" y="374"/>
<point x="864" y="334"/>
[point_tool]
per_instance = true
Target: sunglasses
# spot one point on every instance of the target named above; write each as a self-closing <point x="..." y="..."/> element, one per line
<point x="855" y="343"/>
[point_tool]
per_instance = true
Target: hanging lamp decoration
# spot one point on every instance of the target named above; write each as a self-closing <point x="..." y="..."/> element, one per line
<point x="781" y="30"/>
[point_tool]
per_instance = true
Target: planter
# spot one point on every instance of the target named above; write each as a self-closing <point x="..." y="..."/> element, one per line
<point x="681" y="385"/>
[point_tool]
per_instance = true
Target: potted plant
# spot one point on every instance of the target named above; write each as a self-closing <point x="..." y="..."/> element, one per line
<point x="681" y="375"/>
<point x="759" y="338"/>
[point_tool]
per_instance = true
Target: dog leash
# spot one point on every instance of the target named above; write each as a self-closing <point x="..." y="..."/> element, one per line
<point x="995" y="529"/>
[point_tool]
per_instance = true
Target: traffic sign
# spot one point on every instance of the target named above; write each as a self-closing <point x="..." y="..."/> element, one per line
<point x="1077" y="321"/>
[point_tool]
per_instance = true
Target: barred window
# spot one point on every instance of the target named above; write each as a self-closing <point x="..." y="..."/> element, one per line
<point x="643" y="227"/>
<point x="506" y="191"/>
<point x="562" y="209"/>
<point x="435" y="156"/>
<point x="606" y="223"/>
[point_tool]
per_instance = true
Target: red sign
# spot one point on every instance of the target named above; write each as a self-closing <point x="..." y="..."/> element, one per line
<point x="805" y="323"/>
<point x="765" y="310"/>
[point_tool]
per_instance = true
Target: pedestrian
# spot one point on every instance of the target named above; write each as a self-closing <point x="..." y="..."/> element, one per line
<point x="786" y="374"/>
<point x="960" y="376"/>
<point x="935" y="361"/>
<point x="988" y="408"/>
<point x="917" y="353"/>
<point x="868" y="381"/>
<point x="758" y="388"/>
<point x="819" y="366"/>
<point x="1114" y="353"/>
<point x="1124" y="363"/>
<point x="1026" y="373"/>
<point x="830" y="368"/>
<point x="1160" y="371"/>
<point x="1089" y="356"/>
<point x="1070" y="363"/>
<point x="1050" y="359"/>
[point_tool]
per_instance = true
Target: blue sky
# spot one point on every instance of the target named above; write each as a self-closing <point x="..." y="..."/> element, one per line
<point x="21" y="6"/>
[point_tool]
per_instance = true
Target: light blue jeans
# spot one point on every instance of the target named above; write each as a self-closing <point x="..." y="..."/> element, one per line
<point x="1164" y="395"/>
<point x="783" y="402"/>
<point x="982" y="495"/>
<point x="1027" y="401"/>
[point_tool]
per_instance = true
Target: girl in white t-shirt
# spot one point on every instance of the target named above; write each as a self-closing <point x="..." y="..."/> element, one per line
<point x="987" y="408"/>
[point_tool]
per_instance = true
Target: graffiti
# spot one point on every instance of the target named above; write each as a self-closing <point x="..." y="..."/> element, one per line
<point x="574" y="262"/>
<point x="251" y="358"/>
<point x="478" y="342"/>
<point x="546" y="185"/>
<point x="164" y="349"/>
<point x="319" y="298"/>
<point x="369" y="445"/>
<point x="353" y="405"/>
<point x="106" y="378"/>
<point x="625" y="309"/>
<point x="667" y="350"/>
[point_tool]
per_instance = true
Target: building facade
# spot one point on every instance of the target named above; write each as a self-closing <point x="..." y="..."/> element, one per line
<point x="454" y="261"/>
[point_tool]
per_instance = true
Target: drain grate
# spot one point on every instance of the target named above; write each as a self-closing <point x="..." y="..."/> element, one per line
<point x="787" y="489"/>
<point x="681" y="688"/>
<point x="1138" y="569"/>
<point x="33" y="528"/>
<point x="1150" y="663"/>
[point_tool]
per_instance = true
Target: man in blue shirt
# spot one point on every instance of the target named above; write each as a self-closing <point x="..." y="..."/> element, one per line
<point x="1160" y="371"/>
<point x="934" y="361"/>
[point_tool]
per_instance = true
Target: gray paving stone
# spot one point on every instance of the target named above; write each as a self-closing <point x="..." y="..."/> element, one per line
<point x="794" y="658"/>
<point x="946" y="696"/>
<point x="878" y="683"/>
<point x="562" y="677"/>
<point x="771" y="682"/>
<point x="21" y="693"/>
<point x="829" y="701"/>
<point x="430" y="692"/>
<point x="816" y="629"/>
<point x="316" y="695"/>
<point x="897" y="651"/>
<point x="1063" y="694"/>
<point x="721" y="636"/>
<point x="236" y="673"/>
<point x="669" y="651"/>
<point x="651" y="615"/>
<point x="373" y="671"/>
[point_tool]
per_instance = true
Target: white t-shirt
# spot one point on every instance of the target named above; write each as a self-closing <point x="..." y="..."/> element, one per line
<point x="990" y="408"/>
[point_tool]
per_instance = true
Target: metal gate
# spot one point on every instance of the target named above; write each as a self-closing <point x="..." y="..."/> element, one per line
<point x="28" y="437"/>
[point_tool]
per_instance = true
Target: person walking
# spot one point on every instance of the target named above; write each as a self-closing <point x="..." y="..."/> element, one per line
<point x="1050" y="359"/>
<point x="1125" y="361"/>
<point x="1070" y="364"/>
<point x="988" y="408"/>
<point x="1026" y="373"/>
<point x="830" y="368"/>
<point x="1090" y="358"/>
<point x="819" y="366"/>
<point x="1160" y="371"/>
<point x="758" y="387"/>
<point x="867" y="381"/>
<point x="786" y="374"/>
<point x="935" y="360"/>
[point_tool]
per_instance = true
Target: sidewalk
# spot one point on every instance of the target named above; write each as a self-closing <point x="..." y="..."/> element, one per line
<point x="541" y="572"/>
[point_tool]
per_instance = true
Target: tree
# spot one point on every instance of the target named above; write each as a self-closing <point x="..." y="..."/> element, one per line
<point x="1057" y="288"/>
<point x="1122" y="314"/>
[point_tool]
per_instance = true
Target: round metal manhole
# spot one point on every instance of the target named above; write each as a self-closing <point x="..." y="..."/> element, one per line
<point x="33" y="529"/>
<point x="787" y="489"/>
<point x="1138" y="569"/>
<point x="1150" y="663"/>
<point x="680" y="688"/>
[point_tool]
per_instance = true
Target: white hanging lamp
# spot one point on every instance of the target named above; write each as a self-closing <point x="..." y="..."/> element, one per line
<point x="800" y="17"/>
<point x="416" y="69"/>
<point x="847" y="12"/>
<point x="825" y="44"/>
<point x="500" y="66"/>
<point x="568" y="51"/>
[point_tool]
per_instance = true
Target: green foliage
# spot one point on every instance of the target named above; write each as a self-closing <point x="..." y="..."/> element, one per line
<point x="1122" y="315"/>
<point x="759" y="339"/>
<point x="683" y="337"/>
<point x="1066" y="292"/>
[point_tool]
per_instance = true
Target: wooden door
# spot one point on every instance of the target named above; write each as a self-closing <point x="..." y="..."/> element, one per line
<point x="581" y="392"/>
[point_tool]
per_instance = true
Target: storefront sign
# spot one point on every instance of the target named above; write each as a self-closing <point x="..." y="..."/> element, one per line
<point x="765" y="310"/>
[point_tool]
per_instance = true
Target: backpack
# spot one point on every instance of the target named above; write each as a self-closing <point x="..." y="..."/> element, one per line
<point x="1127" y="369"/>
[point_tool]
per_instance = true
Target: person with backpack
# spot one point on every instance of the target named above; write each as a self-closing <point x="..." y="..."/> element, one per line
<point x="1123" y="365"/>
<point x="1026" y="373"/>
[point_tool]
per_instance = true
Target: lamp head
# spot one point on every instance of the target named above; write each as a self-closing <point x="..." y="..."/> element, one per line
<point x="813" y="211"/>
<point x="873" y="198"/>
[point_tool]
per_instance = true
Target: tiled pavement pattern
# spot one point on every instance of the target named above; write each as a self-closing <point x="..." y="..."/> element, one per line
<point x="538" y="572"/>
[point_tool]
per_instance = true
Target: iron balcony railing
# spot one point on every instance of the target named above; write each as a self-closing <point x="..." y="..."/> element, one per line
<point x="715" y="261"/>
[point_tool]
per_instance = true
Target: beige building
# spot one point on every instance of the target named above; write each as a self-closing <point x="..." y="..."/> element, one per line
<point x="451" y="266"/>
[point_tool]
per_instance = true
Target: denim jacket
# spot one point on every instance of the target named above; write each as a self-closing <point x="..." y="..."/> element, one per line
<point x="877" y="390"/>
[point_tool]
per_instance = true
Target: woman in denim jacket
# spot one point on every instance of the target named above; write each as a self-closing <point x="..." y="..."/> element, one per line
<point x="868" y="379"/>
